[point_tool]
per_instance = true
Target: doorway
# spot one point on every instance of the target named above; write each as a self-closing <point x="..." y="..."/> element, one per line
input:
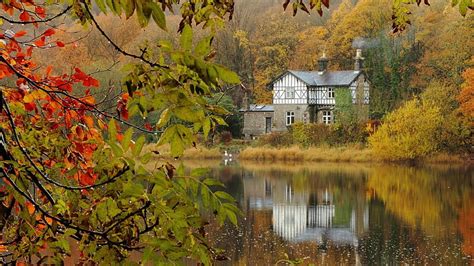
<point x="268" y="124"/>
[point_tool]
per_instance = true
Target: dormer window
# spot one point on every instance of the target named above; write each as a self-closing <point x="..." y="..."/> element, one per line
<point x="290" y="93"/>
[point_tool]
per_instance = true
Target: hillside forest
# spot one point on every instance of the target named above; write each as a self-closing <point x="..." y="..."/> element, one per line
<point x="426" y="69"/>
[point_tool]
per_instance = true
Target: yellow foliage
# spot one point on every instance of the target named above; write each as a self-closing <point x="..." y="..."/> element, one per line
<point x="466" y="96"/>
<point x="408" y="133"/>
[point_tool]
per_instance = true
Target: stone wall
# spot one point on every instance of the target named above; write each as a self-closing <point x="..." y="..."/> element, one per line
<point x="254" y="123"/>
<point x="302" y="114"/>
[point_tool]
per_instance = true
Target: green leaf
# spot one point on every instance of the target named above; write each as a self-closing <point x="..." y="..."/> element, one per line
<point x="134" y="190"/>
<point x="129" y="7"/>
<point x="127" y="139"/>
<point x="112" y="130"/>
<point x="157" y="15"/>
<point x="219" y="120"/>
<point x="116" y="149"/>
<point x="224" y="195"/>
<point x="137" y="149"/>
<point x="232" y="216"/>
<point x="187" y="114"/>
<point x="101" y="5"/>
<point x="186" y="39"/>
<point x="203" y="47"/>
<point x="107" y="210"/>
<point x="164" y="118"/>
<point x="206" y="127"/>
<point x="166" y="137"/>
<point x="227" y="75"/>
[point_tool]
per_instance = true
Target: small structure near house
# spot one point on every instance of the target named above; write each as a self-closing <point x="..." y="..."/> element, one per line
<point x="308" y="97"/>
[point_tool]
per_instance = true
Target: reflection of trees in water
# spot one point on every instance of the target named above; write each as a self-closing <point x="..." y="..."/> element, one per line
<point x="422" y="197"/>
<point x="392" y="222"/>
<point x="429" y="201"/>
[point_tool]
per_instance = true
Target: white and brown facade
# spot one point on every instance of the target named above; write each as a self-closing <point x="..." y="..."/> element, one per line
<point x="306" y="96"/>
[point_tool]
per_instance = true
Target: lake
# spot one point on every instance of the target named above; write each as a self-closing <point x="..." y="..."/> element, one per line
<point x="348" y="214"/>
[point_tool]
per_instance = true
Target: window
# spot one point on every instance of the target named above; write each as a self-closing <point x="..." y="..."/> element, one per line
<point x="330" y="92"/>
<point x="327" y="117"/>
<point x="290" y="118"/>
<point x="290" y="93"/>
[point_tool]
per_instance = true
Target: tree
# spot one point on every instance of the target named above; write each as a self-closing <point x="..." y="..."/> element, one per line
<point x="466" y="96"/>
<point x="70" y="169"/>
<point x="407" y="135"/>
<point x="401" y="9"/>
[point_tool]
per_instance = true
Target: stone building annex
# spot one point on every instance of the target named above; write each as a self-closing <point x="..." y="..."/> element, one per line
<point x="306" y="96"/>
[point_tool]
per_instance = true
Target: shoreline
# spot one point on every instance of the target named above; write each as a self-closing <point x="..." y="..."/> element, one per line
<point x="295" y="154"/>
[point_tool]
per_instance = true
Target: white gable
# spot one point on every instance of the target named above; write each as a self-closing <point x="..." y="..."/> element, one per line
<point x="289" y="90"/>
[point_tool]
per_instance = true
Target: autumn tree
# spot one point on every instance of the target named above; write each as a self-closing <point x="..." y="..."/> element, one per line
<point x="407" y="135"/>
<point x="72" y="170"/>
<point x="466" y="96"/>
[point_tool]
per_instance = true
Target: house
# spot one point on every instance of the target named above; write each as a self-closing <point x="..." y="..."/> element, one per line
<point x="308" y="97"/>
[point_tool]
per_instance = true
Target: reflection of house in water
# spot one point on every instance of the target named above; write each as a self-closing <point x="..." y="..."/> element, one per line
<point x="311" y="214"/>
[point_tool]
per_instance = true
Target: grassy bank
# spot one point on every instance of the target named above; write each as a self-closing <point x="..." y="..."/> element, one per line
<point x="334" y="154"/>
<point x="320" y="154"/>
<point x="295" y="154"/>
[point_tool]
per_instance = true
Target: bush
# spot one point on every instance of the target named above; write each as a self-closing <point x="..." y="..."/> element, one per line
<point x="349" y="133"/>
<point x="408" y="133"/>
<point x="307" y="135"/>
<point x="225" y="137"/>
<point x="276" y="139"/>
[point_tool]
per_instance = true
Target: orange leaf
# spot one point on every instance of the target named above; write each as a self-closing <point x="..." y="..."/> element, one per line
<point x="30" y="207"/>
<point x="60" y="44"/>
<point x="20" y="34"/>
<point x="39" y="42"/>
<point x="89" y="121"/>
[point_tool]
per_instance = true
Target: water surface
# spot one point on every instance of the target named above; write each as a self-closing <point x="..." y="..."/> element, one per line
<point x="349" y="214"/>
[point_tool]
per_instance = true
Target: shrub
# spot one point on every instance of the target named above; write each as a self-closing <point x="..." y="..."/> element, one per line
<point x="310" y="134"/>
<point x="276" y="139"/>
<point x="225" y="137"/>
<point x="348" y="133"/>
<point x="408" y="133"/>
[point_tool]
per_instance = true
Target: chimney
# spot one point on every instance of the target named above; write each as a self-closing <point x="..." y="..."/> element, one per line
<point x="245" y="99"/>
<point x="323" y="64"/>
<point x="359" y="60"/>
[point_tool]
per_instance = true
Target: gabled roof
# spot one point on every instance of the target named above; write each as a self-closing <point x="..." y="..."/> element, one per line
<point x="328" y="78"/>
<point x="258" y="108"/>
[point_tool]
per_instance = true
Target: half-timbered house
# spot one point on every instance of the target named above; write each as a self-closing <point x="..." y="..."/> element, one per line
<point x="308" y="97"/>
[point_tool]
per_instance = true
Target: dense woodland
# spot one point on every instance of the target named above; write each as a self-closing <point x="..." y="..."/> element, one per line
<point x="430" y="60"/>
<point x="83" y="89"/>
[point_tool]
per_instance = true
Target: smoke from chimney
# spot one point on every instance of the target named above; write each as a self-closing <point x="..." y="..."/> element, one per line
<point x="364" y="43"/>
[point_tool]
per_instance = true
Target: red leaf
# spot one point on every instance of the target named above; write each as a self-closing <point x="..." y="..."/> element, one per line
<point x="20" y="34"/>
<point x="87" y="81"/>
<point x="30" y="106"/>
<point x="60" y="44"/>
<point x="39" y="42"/>
<point x="29" y="51"/>
<point x="40" y="12"/>
<point x="24" y="16"/>
<point x="148" y="126"/>
<point x="49" y="32"/>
